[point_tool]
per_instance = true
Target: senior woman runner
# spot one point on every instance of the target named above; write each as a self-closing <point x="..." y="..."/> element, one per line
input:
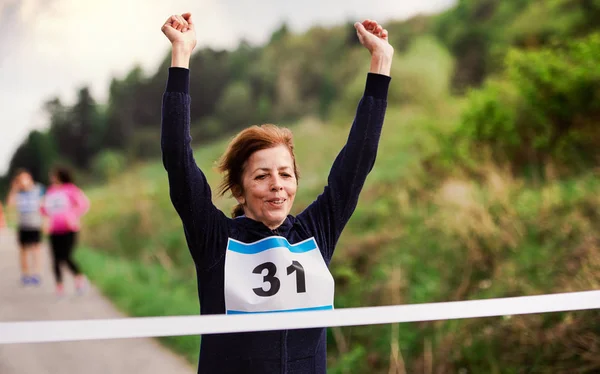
<point x="264" y="259"/>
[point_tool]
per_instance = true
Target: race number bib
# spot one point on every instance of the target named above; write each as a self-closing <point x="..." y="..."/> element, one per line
<point x="56" y="203"/>
<point x="272" y="275"/>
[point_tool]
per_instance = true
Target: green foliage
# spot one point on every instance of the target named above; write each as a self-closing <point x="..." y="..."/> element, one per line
<point x="403" y="34"/>
<point x="206" y="129"/>
<point x="235" y="108"/>
<point x="145" y="145"/>
<point x="87" y="128"/>
<point x="351" y="362"/>
<point x="108" y="164"/>
<point x="422" y="71"/>
<point x="145" y="291"/>
<point x="124" y="101"/>
<point x="546" y="108"/>
<point x="544" y="22"/>
<point x="77" y="129"/>
<point x="37" y="154"/>
<point x="479" y="33"/>
<point x="281" y="33"/>
<point x="210" y="74"/>
<point x="470" y="31"/>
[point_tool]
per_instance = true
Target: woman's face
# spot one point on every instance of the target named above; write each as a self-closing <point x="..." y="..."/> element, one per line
<point x="269" y="186"/>
<point x="24" y="181"/>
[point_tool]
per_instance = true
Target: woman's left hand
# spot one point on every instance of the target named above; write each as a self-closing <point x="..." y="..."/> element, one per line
<point x="374" y="37"/>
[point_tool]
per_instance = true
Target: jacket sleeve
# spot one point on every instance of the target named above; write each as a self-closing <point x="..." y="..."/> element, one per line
<point x="82" y="203"/>
<point x="329" y="213"/>
<point x="190" y="193"/>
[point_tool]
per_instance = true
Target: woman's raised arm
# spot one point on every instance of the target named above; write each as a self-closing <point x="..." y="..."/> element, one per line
<point x="189" y="189"/>
<point x="333" y="208"/>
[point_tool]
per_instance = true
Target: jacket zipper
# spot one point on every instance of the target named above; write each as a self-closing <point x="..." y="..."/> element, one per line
<point x="284" y="334"/>
<point x="284" y="353"/>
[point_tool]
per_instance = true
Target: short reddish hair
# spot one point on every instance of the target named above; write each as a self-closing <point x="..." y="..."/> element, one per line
<point x="242" y="146"/>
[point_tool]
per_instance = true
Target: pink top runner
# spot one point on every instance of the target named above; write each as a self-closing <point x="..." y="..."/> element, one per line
<point x="64" y="205"/>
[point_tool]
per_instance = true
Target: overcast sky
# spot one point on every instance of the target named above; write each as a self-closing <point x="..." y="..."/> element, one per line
<point x="52" y="47"/>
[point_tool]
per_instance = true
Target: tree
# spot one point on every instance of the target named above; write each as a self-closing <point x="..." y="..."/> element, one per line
<point x="87" y="128"/>
<point x="36" y="154"/>
<point x="280" y="34"/>
<point x="120" y="116"/>
<point x="76" y="130"/>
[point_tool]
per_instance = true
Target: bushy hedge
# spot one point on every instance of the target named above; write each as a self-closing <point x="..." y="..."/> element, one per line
<point x="546" y="107"/>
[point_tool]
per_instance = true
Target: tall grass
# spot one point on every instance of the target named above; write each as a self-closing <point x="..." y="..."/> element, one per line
<point x="145" y="291"/>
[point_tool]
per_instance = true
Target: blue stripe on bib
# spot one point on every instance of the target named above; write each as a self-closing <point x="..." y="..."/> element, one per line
<point x="324" y="307"/>
<point x="269" y="243"/>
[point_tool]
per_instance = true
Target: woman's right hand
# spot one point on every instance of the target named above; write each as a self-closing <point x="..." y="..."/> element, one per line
<point x="181" y="32"/>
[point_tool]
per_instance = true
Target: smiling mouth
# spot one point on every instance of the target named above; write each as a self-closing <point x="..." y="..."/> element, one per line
<point x="276" y="201"/>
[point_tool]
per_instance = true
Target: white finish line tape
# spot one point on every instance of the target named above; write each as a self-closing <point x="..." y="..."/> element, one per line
<point x="56" y="331"/>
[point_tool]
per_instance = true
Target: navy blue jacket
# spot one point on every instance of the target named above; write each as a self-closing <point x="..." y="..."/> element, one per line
<point x="207" y="230"/>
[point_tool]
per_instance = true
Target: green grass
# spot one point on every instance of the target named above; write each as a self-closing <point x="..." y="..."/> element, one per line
<point x="144" y="291"/>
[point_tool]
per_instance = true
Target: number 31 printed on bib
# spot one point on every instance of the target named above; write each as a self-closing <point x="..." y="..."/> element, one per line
<point x="272" y="275"/>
